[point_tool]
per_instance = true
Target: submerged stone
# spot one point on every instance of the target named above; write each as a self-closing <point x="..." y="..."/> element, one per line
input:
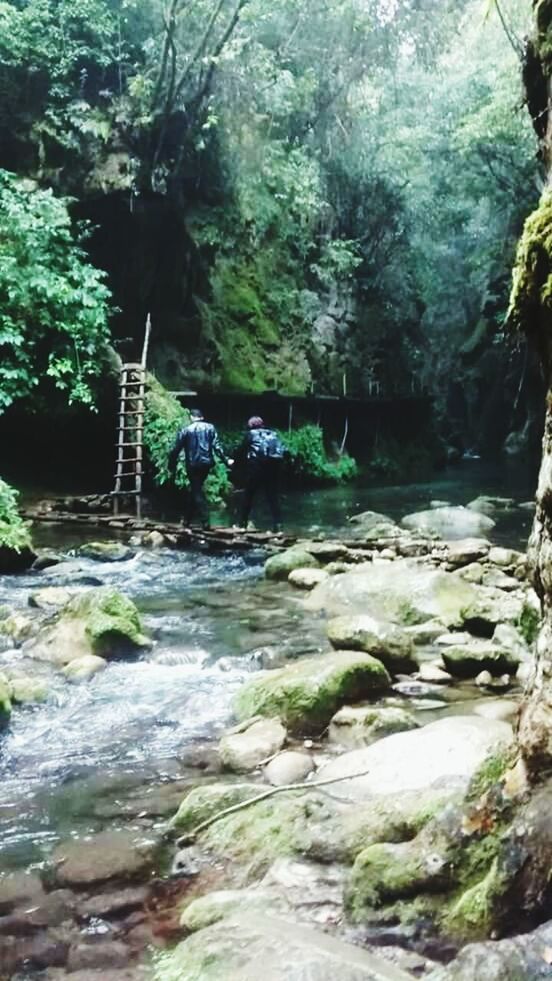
<point x="106" y="551"/>
<point x="306" y="694"/>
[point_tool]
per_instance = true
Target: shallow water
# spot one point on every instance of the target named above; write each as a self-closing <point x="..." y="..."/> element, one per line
<point x="83" y="757"/>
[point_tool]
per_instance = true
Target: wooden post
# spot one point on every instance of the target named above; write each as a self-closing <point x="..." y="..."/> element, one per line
<point x="290" y="416"/>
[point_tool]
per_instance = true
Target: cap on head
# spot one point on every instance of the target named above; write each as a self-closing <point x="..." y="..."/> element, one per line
<point x="255" y="423"/>
<point x="196" y="414"/>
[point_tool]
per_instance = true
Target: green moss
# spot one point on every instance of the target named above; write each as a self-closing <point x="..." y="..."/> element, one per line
<point x="530" y="308"/>
<point x="202" y="802"/>
<point x="306" y="694"/>
<point x="5" y="701"/>
<point x="490" y="773"/>
<point x="280" y="565"/>
<point x="111" y="618"/>
<point x="471" y="917"/>
<point x="529" y="623"/>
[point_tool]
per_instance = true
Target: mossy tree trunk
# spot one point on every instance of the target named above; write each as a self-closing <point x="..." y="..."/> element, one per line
<point x="531" y="312"/>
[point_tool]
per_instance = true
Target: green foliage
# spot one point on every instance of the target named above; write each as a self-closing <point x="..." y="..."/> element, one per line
<point x="392" y="460"/>
<point x="309" y="461"/>
<point x="14" y="533"/>
<point x="163" y="418"/>
<point x="54" y="315"/>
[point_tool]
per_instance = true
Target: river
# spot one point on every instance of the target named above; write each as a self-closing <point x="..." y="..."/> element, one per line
<point x="120" y="747"/>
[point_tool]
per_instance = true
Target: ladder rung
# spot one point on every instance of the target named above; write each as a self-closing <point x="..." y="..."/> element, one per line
<point x="125" y="493"/>
<point x="121" y="476"/>
<point x="118" y="445"/>
<point x="130" y="459"/>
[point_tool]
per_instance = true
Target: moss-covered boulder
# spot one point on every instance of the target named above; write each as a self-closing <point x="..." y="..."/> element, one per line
<point x="306" y="694"/>
<point x="83" y="668"/>
<point x="279" y="566"/>
<point x="389" y="643"/>
<point x="101" y="621"/>
<point x="26" y="690"/>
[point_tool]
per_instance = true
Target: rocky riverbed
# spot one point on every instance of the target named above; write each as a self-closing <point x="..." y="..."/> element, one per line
<point x="369" y="704"/>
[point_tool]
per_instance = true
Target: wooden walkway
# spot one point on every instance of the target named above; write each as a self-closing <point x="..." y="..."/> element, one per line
<point x="174" y="533"/>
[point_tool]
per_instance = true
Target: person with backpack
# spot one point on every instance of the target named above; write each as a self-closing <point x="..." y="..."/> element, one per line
<point x="263" y="452"/>
<point x="200" y="443"/>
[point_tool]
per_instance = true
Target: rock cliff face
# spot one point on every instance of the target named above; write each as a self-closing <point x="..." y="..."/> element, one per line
<point x="531" y="312"/>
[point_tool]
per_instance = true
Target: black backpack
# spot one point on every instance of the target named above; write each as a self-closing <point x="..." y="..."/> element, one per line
<point x="265" y="445"/>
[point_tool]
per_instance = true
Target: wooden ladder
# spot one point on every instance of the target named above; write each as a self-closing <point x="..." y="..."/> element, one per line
<point x="129" y="463"/>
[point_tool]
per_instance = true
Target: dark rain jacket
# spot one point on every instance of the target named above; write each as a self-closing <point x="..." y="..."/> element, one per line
<point x="200" y="444"/>
<point x="262" y="445"/>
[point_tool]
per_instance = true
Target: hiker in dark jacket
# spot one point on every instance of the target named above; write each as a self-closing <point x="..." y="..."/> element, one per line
<point x="263" y="452"/>
<point x="200" y="443"/>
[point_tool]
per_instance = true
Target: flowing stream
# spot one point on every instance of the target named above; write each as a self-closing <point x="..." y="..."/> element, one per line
<point x="118" y="747"/>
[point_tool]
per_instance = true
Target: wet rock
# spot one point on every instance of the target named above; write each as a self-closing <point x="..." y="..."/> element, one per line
<point x="39" y="952"/>
<point x="27" y="690"/>
<point x="361" y="725"/>
<point x="489" y="505"/>
<point x="287" y="951"/>
<point x="17" y="627"/>
<point x="370" y="520"/>
<point x="508" y="637"/>
<point x="306" y="694"/>
<point x="502" y="709"/>
<point x="288" y="767"/>
<point x="51" y="597"/>
<point x="106" y="904"/>
<point x="138" y="972"/>
<point x="391" y="645"/>
<point x="45" y="559"/>
<point x="244" y="749"/>
<point x="506" y="558"/>
<point x="81" y="863"/>
<point x="203" y="802"/>
<point x="100" y="621"/>
<point x="523" y="958"/>
<point x="473" y="572"/>
<point x="445" y="752"/>
<point x="466" y="550"/>
<point x="83" y="668"/>
<point x="450" y="522"/>
<point x="405" y="592"/>
<point x="468" y="660"/>
<point x="307" y="578"/>
<point x="154" y="539"/>
<point x="18" y="888"/>
<point x="425" y="633"/>
<point x="106" y="551"/>
<point x="279" y="566"/>
<point x="325" y="551"/>
<point x="44" y="911"/>
<point x="433" y="674"/>
<point x="498" y="579"/>
<point x="94" y="956"/>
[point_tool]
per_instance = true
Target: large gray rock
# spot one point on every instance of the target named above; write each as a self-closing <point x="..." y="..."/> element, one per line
<point x="403" y="592"/>
<point x="451" y="522"/>
<point x="249" y="946"/>
<point x="307" y="578"/>
<point x="244" y="748"/>
<point x="81" y="863"/>
<point x="489" y="505"/>
<point x="467" y="660"/>
<point x="106" y="551"/>
<point x="391" y="645"/>
<point x="466" y="550"/>
<point x="524" y="958"/>
<point x="447" y="752"/>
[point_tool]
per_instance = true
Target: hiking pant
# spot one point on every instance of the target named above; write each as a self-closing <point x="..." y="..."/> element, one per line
<point x="197" y="503"/>
<point x="263" y="477"/>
